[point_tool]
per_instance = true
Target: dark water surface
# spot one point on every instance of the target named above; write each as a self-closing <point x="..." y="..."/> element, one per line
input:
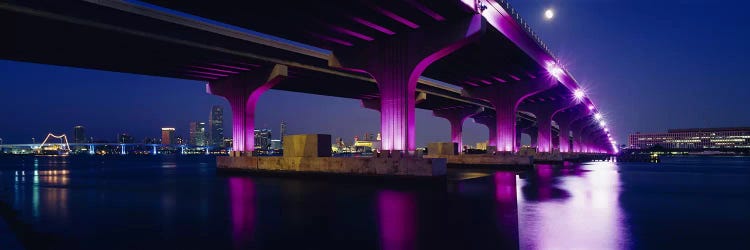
<point x="181" y="203"/>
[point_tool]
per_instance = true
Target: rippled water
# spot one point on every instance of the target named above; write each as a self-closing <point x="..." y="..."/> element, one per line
<point x="181" y="203"/>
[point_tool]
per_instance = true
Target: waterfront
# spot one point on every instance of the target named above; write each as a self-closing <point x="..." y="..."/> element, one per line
<point x="179" y="202"/>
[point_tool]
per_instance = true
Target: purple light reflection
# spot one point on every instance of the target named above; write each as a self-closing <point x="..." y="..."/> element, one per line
<point x="590" y="218"/>
<point x="397" y="220"/>
<point x="242" y="202"/>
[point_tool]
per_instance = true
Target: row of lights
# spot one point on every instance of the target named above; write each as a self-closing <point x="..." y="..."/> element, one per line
<point x="579" y="95"/>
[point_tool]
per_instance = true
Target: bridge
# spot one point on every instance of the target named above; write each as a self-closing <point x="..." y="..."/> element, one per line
<point x="461" y="59"/>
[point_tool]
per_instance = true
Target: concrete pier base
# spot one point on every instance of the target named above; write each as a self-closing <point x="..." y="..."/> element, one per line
<point x="548" y="157"/>
<point x="486" y="159"/>
<point x="375" y="166"/>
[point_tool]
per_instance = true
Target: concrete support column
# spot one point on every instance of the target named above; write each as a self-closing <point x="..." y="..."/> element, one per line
<point x="243" y="91"/>
<point x="456" y="117"/>
<point x="396" y="63"/>
<point x="534" y="136"/>
<point x="544" y="110"/>
<point x="489" y="121"/>
<point x="577" y="128"/>
<point x="505" y="99"/>
<point x="565" y="119"/>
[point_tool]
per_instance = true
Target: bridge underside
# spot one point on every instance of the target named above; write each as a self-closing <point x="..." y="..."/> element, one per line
<point x="100" y="36"/>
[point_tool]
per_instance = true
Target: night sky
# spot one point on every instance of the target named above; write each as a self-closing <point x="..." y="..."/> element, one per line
<point x="648" y="65"/>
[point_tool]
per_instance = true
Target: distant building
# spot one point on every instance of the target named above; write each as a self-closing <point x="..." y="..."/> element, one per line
<point x="216" y="126"/>
<point x="262" y="139"/>
<point x="167" y="136"/>
<point x="282" y="131"/>
<point x="79" y="134"/>
<point x="178" y="140"/>
<point x="198" y="135"/>
<point x="125" y="138"/>
<point x="694" y="139"/>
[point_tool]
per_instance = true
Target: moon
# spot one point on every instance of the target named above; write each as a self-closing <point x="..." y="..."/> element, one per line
<point x="549" y="14"/>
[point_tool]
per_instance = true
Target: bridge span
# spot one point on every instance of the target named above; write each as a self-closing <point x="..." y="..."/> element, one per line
<point x="462" y="59"/>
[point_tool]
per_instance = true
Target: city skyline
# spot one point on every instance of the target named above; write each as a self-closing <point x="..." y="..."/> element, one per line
<point x="646" y="89"/>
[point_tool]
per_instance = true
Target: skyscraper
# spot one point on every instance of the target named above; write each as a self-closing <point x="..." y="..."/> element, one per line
<point x="216" y="126"/>
<point x="262" y="139"/>
<point x="198" y="133"/>
<point x="282" y="131"/>
<point x="167" y="136"/>
<point x="79" y="135"/>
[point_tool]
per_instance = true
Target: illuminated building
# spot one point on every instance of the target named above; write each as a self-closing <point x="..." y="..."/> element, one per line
<point x="79" y="134"/>
<point x="262" y="139"/>
<point x="694" y="139"/>
<point x="167" y="136"/>
<point x="216" y="126"/>
<point x="198" y="133"/>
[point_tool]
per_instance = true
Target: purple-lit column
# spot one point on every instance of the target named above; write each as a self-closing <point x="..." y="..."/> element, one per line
<point x="577" y="128"/>
<point x="505" y="99"/>
<point x="242" y="91"/>
<point x="489" y="121"/>
<point x="456" y="117"/>
<point x="396" y="62"/>
<point x="544" y="110"/>
<point x="533" y="136"/>
<point x="564" y="119"/>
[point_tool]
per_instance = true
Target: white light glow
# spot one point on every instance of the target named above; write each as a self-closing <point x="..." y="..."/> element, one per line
<point x="602" y="123"/>
<point x="579" y="94"/>
<point x="598" y="116"/>
<point x="549" y="14"/>
<point x="554" y="70"/>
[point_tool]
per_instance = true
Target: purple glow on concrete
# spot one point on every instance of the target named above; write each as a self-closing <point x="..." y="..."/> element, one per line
<point x="397" y="82"/>
<point x="373" y="26"/>
<point x="426" y="10"/>
<point x="332" y="39"/>
<point x="230" y="66"/>
<point x="206" y="73"/>
<point x="514" y="77"/>
<point x="471" y="83"/>
<point x="217" y="70"/>
<point x="532" y="76"/>
<point x="396" y="17"/>
<point x="242" y="204"/>
<point x="499" y="79"/>
<point x="396" y="220"/>
<point x="351" y="33"/>
<point x="243" y="92"/>
<point x="486" y="82"/>
<point x="591" y="107"/>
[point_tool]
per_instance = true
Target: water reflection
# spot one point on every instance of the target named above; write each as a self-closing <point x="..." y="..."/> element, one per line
<point x="506" y="209"/>
<point x="396" y="217"/>
<point x="587" y="216"/>
<point x="242" y="202"/>
<point x="49" y="197"/>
